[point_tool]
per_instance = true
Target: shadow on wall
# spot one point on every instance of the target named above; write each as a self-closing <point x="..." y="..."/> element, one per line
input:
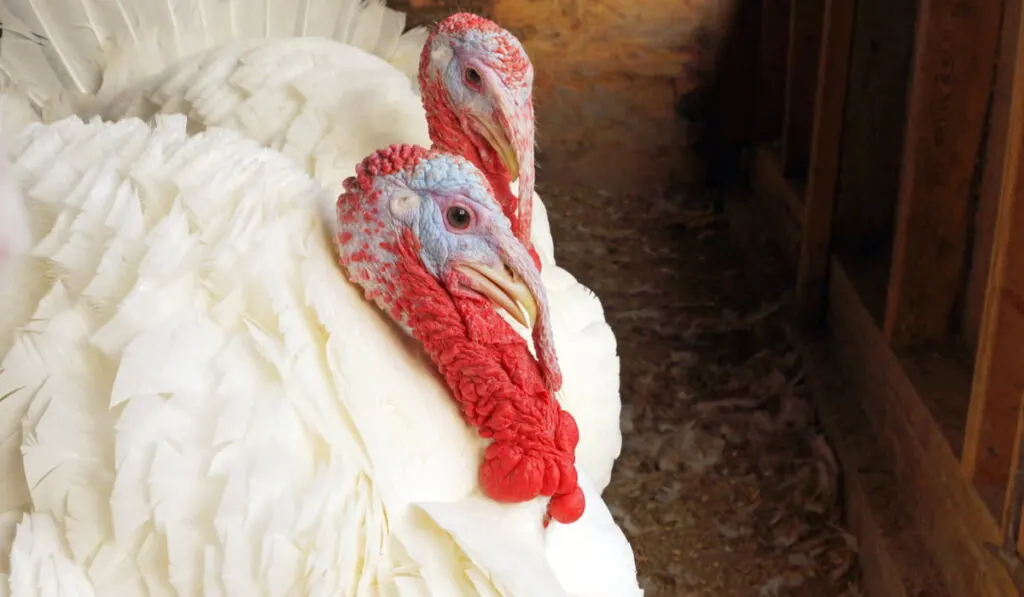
<point x="615" y="84"/>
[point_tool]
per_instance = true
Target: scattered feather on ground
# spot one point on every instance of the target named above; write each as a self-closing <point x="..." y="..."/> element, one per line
<point x="726" y="485"/>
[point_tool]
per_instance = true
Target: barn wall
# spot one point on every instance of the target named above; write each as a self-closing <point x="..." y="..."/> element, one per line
<point x="609" y="75"/>
<point x="908" y="261"/>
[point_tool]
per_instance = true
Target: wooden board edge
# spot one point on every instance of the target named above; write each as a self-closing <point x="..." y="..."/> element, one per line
<point x="892" y="555"/>
<point x="951" y="516"/>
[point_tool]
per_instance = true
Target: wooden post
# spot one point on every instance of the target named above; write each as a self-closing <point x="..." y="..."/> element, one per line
<point x="805" y="30"/>
<point x="824" y="159"/>
<point x="953" y="59"/>
<point x="999" y="369"/>
<point x="992" y="176"/>
<point x="1011" y="515"/>
<point x="874" y="123"/>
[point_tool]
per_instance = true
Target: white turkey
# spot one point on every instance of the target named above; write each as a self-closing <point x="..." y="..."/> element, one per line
<point x="197" y="402"/>
<point x="326" y="82"/>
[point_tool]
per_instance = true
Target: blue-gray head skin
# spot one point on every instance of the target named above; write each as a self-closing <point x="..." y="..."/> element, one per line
<point x="421" y="232"/>
<point x="477" y="86"/>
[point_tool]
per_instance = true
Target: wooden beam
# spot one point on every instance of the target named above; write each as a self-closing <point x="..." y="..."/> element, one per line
<point x="892" y="556"/>
<point x="771" y="68"/>
<point x="953" y="520"/>
<point x="874" y="121"/>
<point x="1014" y="486"/>
<point x="948" y="511"/>
<point x="998" y="372"/>
<point x="826" y="134"/>
<point x="992" y="174"/>
<point x="953" y="61"/>
<point x="806" y="27"/>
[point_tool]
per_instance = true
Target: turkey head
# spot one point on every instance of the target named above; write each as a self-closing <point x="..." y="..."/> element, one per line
<point x="477" y="85"/>
<point x="421" y="232"/>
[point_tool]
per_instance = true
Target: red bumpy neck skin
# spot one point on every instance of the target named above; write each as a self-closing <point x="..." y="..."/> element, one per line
<point x="500" y="391"/>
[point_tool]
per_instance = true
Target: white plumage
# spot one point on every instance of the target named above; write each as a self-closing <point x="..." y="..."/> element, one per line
<point x="201" y="404"/>
<point x="207" y="403"/>
<point x="326" y="102"/>
<point x="15" y="237"/>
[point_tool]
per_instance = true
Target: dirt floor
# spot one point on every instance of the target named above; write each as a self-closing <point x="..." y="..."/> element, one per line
<point x="725" y="485"/>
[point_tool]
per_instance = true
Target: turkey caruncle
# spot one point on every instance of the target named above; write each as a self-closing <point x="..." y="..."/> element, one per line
<point x="327" y="82"/>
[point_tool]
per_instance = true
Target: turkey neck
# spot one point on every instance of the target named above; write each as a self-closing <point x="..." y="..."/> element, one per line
<point x="500" y="390"/>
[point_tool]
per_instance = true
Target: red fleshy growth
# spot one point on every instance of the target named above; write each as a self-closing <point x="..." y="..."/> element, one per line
<point x="499" y="388"/>
<point x="515" y="64"/>
<point x="461" y="22"/>
<point x="509" y="52"/>
<point x="391" y="159"/>
<point x="356" y="204"/>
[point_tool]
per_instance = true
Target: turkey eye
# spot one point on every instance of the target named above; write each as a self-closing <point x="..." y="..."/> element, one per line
<point x="458" y="217"/>
<point x="473" y="77"/>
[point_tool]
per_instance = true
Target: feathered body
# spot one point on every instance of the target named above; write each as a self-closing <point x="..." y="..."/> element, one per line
<point x="198" y="402"/>
<point x="324" y="102"/>
<point x="15" y="234"/>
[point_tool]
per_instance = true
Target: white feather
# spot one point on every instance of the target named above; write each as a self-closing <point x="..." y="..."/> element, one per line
<point x="15" y="231"/>
<point x="200" y="403"/>
<point x="325" y="102"/>
<point x="70" y="36"/>
<point x="52" y="47"/>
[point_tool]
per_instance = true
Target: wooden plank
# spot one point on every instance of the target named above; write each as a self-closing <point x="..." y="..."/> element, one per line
<point x="893" y="558"/>
<point x="998" y="372"/>
<point x="824" y="159"/>
<point x="874" y="119"/>
<point x="950" y="514"/>
<point x="992" y="174"/>
<point x="953" y="60"/>
<point x="1015" y="484"/>
<point x="806" y="27"/>
<point x="771" y="68"/>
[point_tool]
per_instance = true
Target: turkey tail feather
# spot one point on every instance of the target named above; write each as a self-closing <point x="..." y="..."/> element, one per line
<point x="60" y="50"/>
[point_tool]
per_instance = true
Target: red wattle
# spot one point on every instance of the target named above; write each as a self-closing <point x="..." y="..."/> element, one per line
<point x="500" y="390"/>
<point x="568" y="507"/>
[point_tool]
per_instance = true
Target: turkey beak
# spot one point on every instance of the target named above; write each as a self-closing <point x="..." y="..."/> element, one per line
<point x="517" y="259"/>
<point x="500" y="132"/>
<point x="503" y="287"/>
<point x="510" y="132"/>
